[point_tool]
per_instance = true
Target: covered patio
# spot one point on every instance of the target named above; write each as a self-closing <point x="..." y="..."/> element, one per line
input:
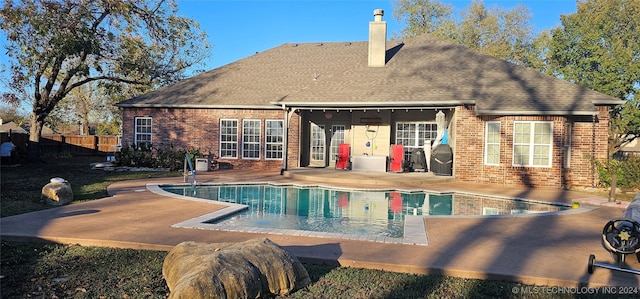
<point x="394" y="137"/>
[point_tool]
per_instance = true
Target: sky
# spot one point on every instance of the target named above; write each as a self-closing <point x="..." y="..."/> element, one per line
<point x="240" y="28"/>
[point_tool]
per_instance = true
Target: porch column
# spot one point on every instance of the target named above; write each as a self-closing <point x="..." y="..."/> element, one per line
<point x="285" y="138"/>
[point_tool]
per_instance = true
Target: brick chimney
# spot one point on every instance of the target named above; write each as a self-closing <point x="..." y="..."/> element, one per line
<point x="377" y="39"/>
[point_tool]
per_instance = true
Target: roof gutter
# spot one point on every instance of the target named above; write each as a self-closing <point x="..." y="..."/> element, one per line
<point x="534" y="112"/>
<point x="195" y="106"/>
<point x="614" y="101"/>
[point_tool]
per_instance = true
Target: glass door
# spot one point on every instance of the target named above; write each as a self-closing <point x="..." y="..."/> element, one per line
<point x="318" y="146"/>
<point x="337" y="137"/>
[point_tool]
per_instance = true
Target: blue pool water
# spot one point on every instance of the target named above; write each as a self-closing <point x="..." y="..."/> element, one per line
<point x="370" y="212"/>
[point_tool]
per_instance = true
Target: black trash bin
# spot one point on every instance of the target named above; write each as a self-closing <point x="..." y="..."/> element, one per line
<point x="442" y="160"/>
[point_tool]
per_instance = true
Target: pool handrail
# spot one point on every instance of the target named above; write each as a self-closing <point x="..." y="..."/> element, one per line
<point x="187" y="161"/>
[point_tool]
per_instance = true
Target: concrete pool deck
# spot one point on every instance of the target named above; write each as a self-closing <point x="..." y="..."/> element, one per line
<point x="544" y="250"/>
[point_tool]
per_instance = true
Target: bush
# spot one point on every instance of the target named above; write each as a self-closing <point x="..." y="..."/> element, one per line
<point x="627" y="172"/>
<point x="135" y="156"/>
<point x="174" y="158"/>
<point x="147" y="156"/>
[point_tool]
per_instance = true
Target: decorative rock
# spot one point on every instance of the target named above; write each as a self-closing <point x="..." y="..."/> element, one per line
<point x="57" y="192"/>
<point x="253" y="269"/>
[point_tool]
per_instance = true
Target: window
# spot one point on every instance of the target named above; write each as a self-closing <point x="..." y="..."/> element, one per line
<point x="251" y="138"/>
<point x="567" y="145"/>
<point x="337" y="137"/>
<point x="413" y="135"/>
<point x="142" y="131"/>
<point x="274" y="142"/>
<point x="492" y="143"/>
<point x="228" y="138"/>
<point x="490" y="211"/>
<point x="532" y="144"/>
<point x="318" y="138"/>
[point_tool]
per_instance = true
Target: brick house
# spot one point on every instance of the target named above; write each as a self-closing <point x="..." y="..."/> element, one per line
<point x="292" y="105"/>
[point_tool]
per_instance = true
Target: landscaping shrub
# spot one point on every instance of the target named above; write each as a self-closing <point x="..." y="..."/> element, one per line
<point x="135" y="156"/>
<point x="171" y="158"/>
<point x="627" y="172"/>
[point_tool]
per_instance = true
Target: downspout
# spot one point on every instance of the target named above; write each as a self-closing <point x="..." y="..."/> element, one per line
<point x="285" y="139"/>
<point x="593" y="151"/>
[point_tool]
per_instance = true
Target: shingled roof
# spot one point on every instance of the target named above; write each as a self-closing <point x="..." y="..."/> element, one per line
<point x="421" y="72"/>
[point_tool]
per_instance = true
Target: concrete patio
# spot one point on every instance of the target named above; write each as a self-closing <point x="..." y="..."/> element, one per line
<point x="544" y="250"/>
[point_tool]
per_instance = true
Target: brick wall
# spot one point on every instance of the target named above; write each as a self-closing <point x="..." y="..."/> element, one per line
<point x="200" y="129"/>
<point x="469" y="150"/>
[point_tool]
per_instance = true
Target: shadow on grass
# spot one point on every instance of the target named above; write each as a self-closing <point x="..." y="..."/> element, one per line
<point x="49" y="270"/>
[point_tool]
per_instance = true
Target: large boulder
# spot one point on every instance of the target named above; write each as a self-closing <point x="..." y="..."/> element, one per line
<point x="57" y="192"/>
<point x="256" y="268"/>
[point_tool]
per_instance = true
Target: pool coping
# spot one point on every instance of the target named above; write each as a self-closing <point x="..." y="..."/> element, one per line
<point x="415" y="232"/>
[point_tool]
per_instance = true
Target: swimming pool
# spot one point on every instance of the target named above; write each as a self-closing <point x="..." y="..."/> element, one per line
<point x="374" y="215"/>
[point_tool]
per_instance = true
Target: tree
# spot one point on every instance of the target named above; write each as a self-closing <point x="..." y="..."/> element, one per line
<point x="505" y="34"/>
<point x="9" y="113"/>
<point x="422" y="16"/>
<point x="86" y="106"/>
<point x="57" y="46"/>
<point x="599" y="47"/>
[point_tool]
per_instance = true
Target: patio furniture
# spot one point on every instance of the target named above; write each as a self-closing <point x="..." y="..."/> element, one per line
<point x="418" y="160"/>
<point x="342" y="158"/>
<point x="369" y="163"/>
<point x="396" y="160"/>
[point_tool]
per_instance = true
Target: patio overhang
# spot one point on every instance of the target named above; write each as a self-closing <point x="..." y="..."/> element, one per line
<point x="351" y="106"/>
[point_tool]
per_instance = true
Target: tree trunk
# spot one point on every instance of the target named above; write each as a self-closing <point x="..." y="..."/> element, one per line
<point x="35" y="131"/>
<point x="612" y="192"/>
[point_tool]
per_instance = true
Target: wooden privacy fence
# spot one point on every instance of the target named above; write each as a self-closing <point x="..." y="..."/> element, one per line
<point x="79" y="144"/>
<point x="72" y="144"/>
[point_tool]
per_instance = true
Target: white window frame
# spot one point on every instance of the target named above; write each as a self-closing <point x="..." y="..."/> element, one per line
<point x="274" y="141"/>
<point x="490" y="211"/>
<point x="251" y="135"/>
<point x="533" y="143"/>
<point x="417" y="138"/>
<point x="228" y="139"/>
<point x="338" y="135"/>
<point x="568" y="135"/>
<point x="491" y="143"/>
<point x="137" y="134"/>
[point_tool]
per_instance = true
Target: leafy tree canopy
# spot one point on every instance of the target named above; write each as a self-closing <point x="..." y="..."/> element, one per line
<point x="56" y="46"/>
<point x="423" y="16"/>
<point x="599" y="47"/>
<point x="502" y="33"/>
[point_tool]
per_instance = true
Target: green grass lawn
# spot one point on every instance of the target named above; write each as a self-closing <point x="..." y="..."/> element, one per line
<point x="37" y="270"/>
